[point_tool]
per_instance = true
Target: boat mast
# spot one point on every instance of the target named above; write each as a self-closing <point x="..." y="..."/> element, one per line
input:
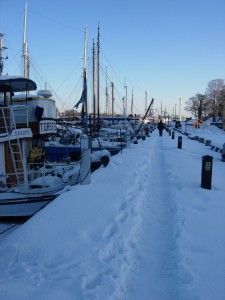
<point x="106" y="94"/>
<point x="132" y="102"/>
<point x="125" y="100"/>
<point x="98" y="75"/>
<point x="85" y="111"/>
<point x="146" y="100"/>
<point x="94" y="92"/>
<point x="112" y="84"/>
<point x="146" y="113"/>
<point x="1" y="57"/>
<point x="25" y="54"/>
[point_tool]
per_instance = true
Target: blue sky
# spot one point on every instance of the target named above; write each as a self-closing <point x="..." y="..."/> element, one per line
<point x="172" y="48"/>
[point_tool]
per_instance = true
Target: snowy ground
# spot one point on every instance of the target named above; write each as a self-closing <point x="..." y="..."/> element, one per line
<point x="144" y="229"/>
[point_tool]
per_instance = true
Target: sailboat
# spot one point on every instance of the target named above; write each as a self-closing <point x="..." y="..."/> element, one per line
<point x="69" y="147"/>
<point x="25" y="119"/>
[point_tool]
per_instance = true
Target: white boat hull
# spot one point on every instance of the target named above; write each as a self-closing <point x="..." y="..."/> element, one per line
<point x="19" y="204"/>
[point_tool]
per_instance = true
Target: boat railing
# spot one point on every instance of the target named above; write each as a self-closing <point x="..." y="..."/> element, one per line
<point x="11" y="116"/>
<point x="34" y="171"/>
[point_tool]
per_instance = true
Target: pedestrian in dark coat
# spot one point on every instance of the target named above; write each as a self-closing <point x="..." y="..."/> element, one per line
<point x="160" y="127"/>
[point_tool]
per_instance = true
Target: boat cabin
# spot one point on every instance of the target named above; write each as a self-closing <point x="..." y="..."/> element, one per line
<point x="24" y="120"/>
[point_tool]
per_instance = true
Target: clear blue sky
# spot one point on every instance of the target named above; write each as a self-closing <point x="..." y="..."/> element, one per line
<point x="171" y="48"/>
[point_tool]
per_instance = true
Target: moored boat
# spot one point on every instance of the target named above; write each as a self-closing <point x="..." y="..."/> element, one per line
<point x="25" y="185"/>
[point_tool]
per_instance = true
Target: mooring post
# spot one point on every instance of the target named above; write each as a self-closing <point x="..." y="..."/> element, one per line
<point x="179" y="145"/>
<point x="223" y="153"/>
<point x="206" y="179"/>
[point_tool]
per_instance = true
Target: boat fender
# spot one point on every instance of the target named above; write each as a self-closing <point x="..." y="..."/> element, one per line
<point x="105" y="160"/>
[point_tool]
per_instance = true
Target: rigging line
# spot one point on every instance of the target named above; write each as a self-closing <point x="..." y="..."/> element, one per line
<point x="36" y="66"/>
<point x="55" y="21"/>
<point x="69" y="75"/>
<point x="122" y="84"/>
<point x="116" y="90"/>
<point x="72" y="92"/>
<point x="38" y="71"/>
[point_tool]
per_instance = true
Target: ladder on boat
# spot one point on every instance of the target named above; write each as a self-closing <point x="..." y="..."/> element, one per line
<point x="9" y="123"/>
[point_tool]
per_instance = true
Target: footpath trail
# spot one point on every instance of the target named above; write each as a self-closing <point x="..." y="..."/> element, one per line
<point x="158" y="236"/>
<point x="139" y="259"/>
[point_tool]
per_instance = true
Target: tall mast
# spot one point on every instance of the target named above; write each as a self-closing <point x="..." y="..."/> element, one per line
<point x="25" y="55"/>
<point x="146" y="100"/>
<point x="1" y="54"/>
<point x="85" y="110"/>
<point x="125" y="100"/>
<point x="98" y="74"/>
<point x="180" y="103"/>
<point x="112" y="84"/>
<point x="132" y="102"/>
<point x="1" y="58"/>
<point x="85" y="50"/>
<point x="106" y="94"/>
<point x="94" y="92"/>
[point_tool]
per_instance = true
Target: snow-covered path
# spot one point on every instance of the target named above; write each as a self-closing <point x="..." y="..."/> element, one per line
<point x="158" y="233"/>
<point x="142" y="230"/>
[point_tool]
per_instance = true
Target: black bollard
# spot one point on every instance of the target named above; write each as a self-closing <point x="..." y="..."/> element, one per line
<point x="179" y="145"/>
<point x="173" y="134"/>
<point x="169" y="132"/>
<point x="223" y="153"/>
<point x="206" y="179"/>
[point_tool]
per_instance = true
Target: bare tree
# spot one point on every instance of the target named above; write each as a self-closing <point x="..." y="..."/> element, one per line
<point x="196" y="105"/>
<point x="215" y="93"/>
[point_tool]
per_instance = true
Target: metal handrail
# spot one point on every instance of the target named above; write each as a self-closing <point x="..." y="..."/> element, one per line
<point x="13" y="115"/>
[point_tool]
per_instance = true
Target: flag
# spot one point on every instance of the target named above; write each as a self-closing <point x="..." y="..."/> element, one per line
<point x="83" y="95"/>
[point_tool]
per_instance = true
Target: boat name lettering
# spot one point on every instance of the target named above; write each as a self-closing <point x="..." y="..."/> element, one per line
<point x="23" y="132"/>
<point x="47" y="127"/>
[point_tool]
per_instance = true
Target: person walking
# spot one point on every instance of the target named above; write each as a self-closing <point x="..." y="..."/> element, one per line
<point x="160" y="127"/>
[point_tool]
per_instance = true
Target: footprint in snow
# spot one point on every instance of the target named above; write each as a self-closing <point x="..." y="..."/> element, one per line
<point x="121" y="217"/>
<point x="122" y="206"/>
<point x="110" y="230"/>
